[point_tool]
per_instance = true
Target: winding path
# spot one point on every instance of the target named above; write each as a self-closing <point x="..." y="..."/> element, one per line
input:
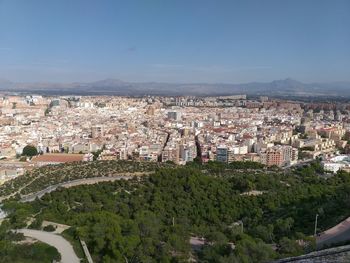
<point x="63" y="246"/>
<point x="19" y="190"/>
<point x="92" y="180"/>
<point x="336" y="234"/>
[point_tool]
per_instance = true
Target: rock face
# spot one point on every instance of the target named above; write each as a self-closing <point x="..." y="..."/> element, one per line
<point x="331" y="255"/>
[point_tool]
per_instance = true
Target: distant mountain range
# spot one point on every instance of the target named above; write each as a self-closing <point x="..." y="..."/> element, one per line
<point x="286" y="87"/>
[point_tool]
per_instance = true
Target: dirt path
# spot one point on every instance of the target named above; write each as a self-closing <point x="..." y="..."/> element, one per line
<point x="19" y="190"/>
<point x="92" y="180"/>
<point x="75" y="182"/>
<point x="63" y="246"/>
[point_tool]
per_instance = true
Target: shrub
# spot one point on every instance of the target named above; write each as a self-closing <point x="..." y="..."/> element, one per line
<point x="49" y="228"/>
<point x="29" y="150"/>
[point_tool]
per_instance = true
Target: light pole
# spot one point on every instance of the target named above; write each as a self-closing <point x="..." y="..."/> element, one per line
<point x="316" y="225"/>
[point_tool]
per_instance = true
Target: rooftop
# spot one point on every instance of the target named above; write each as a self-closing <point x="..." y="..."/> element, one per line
<point x="58" y="158"/>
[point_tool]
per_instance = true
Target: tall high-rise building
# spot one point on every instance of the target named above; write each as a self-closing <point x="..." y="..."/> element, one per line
<point x="222" y="154"/>
<point x="174" y="115"/>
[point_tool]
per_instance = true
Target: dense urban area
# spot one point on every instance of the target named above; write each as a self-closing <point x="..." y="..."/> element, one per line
<point x="188" y="131"/>
<point x="160" y="129"/>
<point x="172" y="179"/>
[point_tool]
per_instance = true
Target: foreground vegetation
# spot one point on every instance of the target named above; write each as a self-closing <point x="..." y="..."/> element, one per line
<point x="45" y="176"/>
<point x="153" y="219"/>
<point x="14" y="250"/>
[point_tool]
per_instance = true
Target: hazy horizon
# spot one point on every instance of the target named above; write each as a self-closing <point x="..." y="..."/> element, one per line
<point x="174" y="42"/>
<point x="173" y="82"/>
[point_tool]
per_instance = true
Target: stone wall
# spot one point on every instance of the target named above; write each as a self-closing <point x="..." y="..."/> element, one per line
<point x="331" y="255"/>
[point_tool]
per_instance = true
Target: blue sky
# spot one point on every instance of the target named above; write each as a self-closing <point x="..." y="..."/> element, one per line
<point x="175" y="40"/>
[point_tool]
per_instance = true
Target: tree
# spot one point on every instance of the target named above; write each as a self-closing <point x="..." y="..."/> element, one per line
<point x="151" y="219"/>
<point x="36" y="224"/>
<point x="96" y="154"/>
<point x="264" y="232"/>
<point x="284" y="226"/>
<point x="250" y="250"/>
<point x="29" y="150"/>
<point x="49" y="228"/>
<point x="288" y="247"/>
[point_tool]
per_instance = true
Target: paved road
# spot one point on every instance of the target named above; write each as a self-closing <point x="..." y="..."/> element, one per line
<point x="63" y="246"/>
<point x="336" y="234"/>
<point x="93" y="180"/>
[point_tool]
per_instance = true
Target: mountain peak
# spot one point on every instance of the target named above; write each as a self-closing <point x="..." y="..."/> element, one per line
<point x="109" y="81"/>
<point x="287" y="80"/>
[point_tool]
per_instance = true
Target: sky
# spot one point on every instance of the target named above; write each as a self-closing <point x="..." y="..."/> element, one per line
<point x="225" y="41"/>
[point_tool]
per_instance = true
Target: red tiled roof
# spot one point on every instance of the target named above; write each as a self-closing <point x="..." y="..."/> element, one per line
<point x="58" y="158"/>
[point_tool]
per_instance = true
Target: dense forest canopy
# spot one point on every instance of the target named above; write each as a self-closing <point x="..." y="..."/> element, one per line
<point x="243" y="214"/>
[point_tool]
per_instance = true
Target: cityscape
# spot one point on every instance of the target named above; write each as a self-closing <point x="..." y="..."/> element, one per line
<point x="225" y="129"/>
<point x="187" y="131"/>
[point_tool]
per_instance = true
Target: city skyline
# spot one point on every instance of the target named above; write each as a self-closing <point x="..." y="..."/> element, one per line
<point x="186" y="41"/>
<point x="174" y="131"/>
